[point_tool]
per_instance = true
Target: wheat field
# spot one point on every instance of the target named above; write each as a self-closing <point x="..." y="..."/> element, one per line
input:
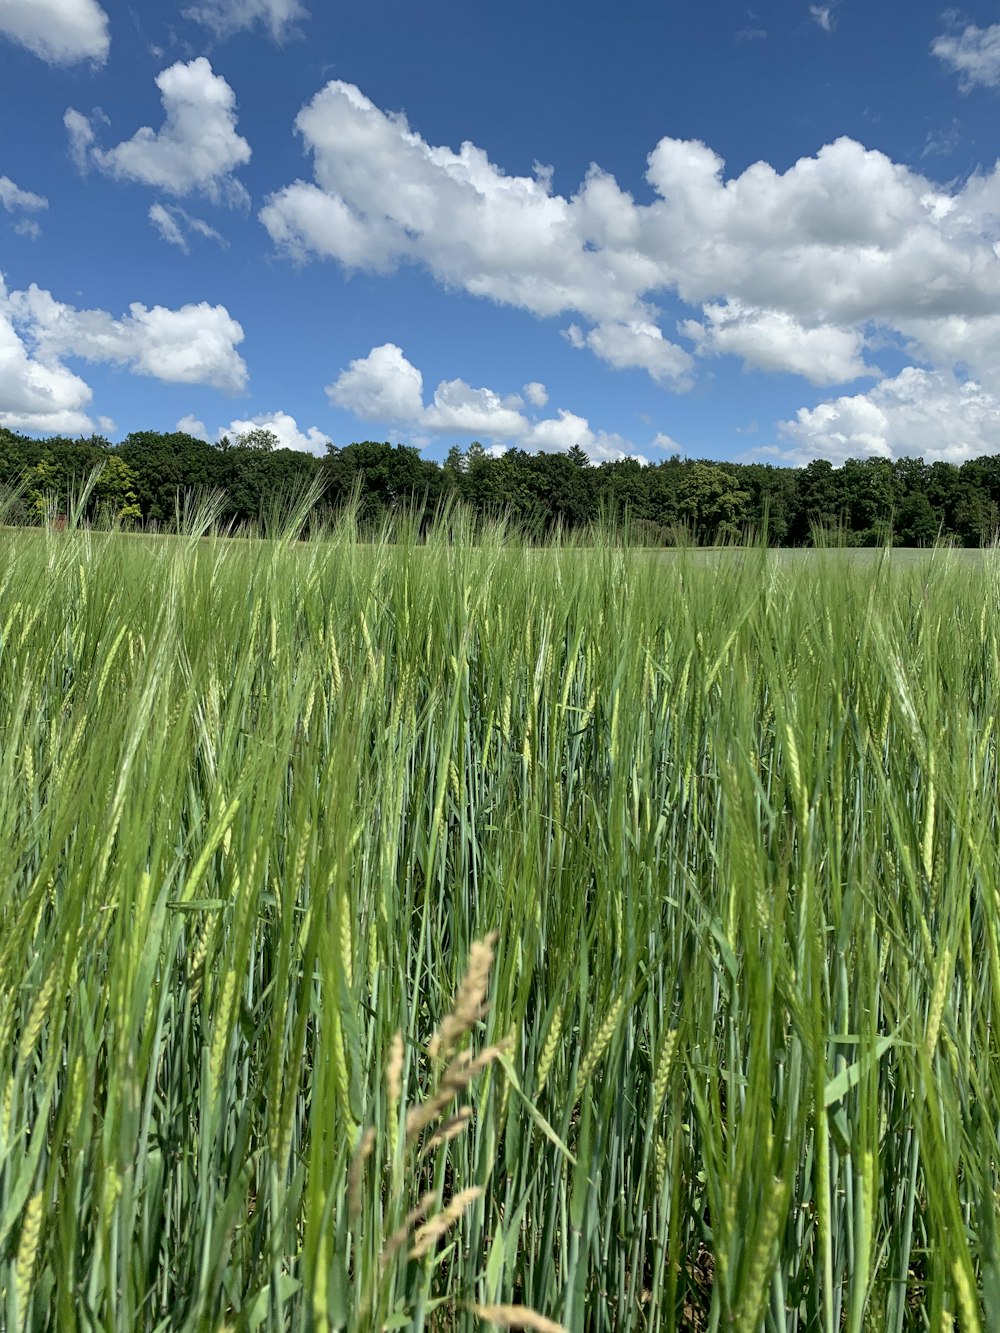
<point x="454" y="935"/>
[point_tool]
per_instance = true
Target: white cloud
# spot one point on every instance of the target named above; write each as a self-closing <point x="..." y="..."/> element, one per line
<point x="14" y="199"/>
<point x="285" y="427"/>
<point x="775" y="341"/>
<point x="195" y="344"/>
<point x="58" y="31"/>
<point x="81" y="138"/>
<point x="562" y="432"/>
<point x="799" y="271"/>
<point x="227" y="16"/>
<point x="384" y="195"/>
<point x="196" y="150"/>
<point x="919" y="413"/>
<point x="35" y="394"/>
<point x="667" y="443"/>
<point x="168" y="227"/>
<point x="38" y="392"/>
<point x="822" y="14"/>
<point x="385" y="387"/>
<point x="536" y="394"/>
<point x="942" y="142"/>
<point x="175" y="225"/>
<point x="190" y="425"/>
<point x="18" y="201"/>
<point x="201" y="228"/>
<point x="462" y="410"/>
<point x="640" y="343"/>
<point x="382" y="386"/>
<point x="974" y="55"/>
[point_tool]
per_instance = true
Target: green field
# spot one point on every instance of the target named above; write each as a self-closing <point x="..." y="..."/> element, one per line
<point x="679" y="874"/>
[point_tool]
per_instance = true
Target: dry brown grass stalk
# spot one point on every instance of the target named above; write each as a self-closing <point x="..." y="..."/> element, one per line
<point x="517" y="1316"/>
<point x="469" y="1006"/>
<point x="402" y="1234"/>
<point x="431" y="1232"/>
<point x="451" y="1129"/>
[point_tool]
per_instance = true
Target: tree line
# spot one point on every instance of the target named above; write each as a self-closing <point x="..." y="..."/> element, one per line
<point x="864" y="502"/>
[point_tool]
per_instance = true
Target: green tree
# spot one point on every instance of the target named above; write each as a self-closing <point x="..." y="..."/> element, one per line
<point x="260" y="438"/>
<point x="115" y="494"/>
<point x="916" y="523"/>
<point x="46" y="491"/>
<point x="712" y="503"/>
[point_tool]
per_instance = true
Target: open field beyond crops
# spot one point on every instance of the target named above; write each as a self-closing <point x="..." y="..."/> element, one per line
<point x="730" y="1060"/>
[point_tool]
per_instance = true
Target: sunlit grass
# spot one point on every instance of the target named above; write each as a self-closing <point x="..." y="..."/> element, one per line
<point x="733" y="819"/>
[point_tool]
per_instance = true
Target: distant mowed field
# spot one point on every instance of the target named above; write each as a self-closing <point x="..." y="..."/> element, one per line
<point x="461" y="936"/>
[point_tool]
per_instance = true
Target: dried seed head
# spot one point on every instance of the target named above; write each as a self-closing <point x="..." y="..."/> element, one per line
<point x="470" y="1000"/>
<point x="400" y="1236"/>
<point x="517" y="1316"/>
<point x="459" y="1077"/>
<point x="420" y="1116"/>
<point x="450" y="1129"/>
<point x="431" y="1232"/>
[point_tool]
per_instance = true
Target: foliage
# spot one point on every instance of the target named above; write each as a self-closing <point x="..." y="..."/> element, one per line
<point x="866" y="502"/>
<point x="258" y="437"/>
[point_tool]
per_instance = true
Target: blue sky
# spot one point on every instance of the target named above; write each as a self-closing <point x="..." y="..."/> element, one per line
<point x="766" y="232"/>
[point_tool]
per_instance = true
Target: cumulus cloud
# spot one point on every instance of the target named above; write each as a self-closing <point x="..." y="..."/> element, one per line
<point x="194" y="344"/>
<point x="382" y="386"/>
<point x="383" y="195"/>
<point x="461" y="410"/>
<point x="60" y="32"/>
<point x="823" y="16"/>
<point x="285" y="427"/>
<point x="37" y="394"/>
<point x="176" y="225"/>
<point x="973" y="54"/>
<point x="638" y="342"/>
<point x="192" y="425"/>
<point x="536" y="394"/>
<point x="667" y="443"/>
<point x="228" y="16"/>
<point x="775" y="341"/>
<point x="196" y="150"/>
<point x="799" y="271"/>
<point x="919" y="413"/>
<point x="387" y="388"/>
